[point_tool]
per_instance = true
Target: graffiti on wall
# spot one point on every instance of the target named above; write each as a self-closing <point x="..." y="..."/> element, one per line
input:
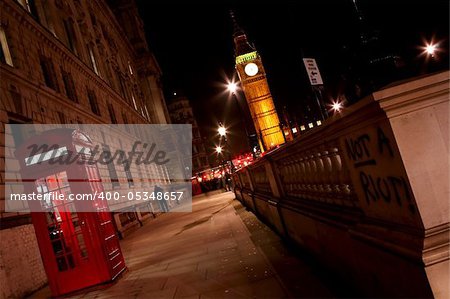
<point x="378" y="169"/>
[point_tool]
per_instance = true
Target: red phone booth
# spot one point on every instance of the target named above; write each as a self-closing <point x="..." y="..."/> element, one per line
<point x="78" y="244"/>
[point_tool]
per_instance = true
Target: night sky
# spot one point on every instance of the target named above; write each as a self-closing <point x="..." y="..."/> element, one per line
<point x="193" y="44"/>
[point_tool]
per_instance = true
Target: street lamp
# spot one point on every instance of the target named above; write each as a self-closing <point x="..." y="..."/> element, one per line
<point x="431" y="49"/>
<point x="222" y="131"/>
<point x="218" y="149"/>
<point x="337" y="106"/>
<point x="232" y="88"/>
<point x="223" y="134"/>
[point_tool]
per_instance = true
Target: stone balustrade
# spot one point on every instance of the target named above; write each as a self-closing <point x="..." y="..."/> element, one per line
<point x="368" y="191"/>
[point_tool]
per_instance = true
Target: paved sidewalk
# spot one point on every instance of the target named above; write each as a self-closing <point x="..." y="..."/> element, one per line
<point x="219" y="250"/>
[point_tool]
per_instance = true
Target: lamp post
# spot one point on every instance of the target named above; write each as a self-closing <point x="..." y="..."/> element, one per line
<point x="431" y="52"/>
<point x="232" y="88"/>
<point x="223" y="134"/>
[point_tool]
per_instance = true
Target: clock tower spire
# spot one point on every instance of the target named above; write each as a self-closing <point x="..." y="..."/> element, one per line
<point x="256" y="89"/>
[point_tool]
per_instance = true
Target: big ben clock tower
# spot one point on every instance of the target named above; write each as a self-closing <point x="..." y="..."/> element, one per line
<point x="256" y="89"/>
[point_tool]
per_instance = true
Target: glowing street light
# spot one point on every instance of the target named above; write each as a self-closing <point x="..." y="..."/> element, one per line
<point x="336" y="106"/>
<point x="222" y="131"/>
<point x="232" y="87"/>
<point x="430" y="49"/>
<point x="218" y="149"/>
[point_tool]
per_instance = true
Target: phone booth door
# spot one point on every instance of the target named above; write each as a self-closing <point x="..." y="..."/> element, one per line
<point x="77" y="240"/>
<point x="107" y="231"/>
<point x="71" y="253"/>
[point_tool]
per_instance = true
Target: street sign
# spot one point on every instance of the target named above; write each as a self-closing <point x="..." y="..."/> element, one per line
<point x="313" y="71"/>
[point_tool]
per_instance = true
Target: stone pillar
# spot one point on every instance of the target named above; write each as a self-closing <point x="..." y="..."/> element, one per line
<point x="418" y="112"/>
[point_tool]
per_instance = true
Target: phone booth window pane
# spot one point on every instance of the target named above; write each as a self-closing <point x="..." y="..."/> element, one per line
<point x="82" y="245"/>
<point x="62" y="264"/>
<point x="62" y="179"/>
<point x="52" y="182"/>
<point x="41" y="186"/>
<point x="52" y="217"/>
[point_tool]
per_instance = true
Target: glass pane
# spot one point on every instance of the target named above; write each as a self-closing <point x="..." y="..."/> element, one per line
<point x="47" y="203"/>
<point x="62" y="265"/>
<point x="70" y="207"/>
<point x="41" y="186"/>
<point x="70" y="260"/>
<point x="62" y="179"/>
<point x="82" y="245"/>
<point x="51" y="217"/>
<point x="52" y="182"/>
<point x="58" y="247"/>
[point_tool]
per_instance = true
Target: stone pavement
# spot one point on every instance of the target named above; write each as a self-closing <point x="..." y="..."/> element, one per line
<point x="219" y="250"/>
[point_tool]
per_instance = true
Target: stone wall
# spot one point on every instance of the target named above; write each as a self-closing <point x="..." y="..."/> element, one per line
<point x="21" y="269"/>
<point x="367" y="192"/>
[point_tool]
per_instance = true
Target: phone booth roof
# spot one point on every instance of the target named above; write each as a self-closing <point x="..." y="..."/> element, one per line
<point x="63" y="140"/>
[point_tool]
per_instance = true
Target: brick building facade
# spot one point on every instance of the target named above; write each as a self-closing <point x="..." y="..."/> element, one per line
<point x="69" y="62"/>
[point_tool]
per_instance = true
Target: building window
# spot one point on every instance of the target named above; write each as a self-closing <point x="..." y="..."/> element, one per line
<point x="16" y="97"/>
<point x="70" y="33"/>
<point x="93" y="102"/>
<point x="130" y="68"/>
<point x="126" y="168"/>
<point x="48" y="72"/>
<point x="93" y="60"/>
<point x="134" y="102"/>
<point x="108" y="74"/>
<point x="111" y="168"/>
<point x="121" y="85"/>
<point x="5" y="55"/>
<point x="93" y="20"/>
<point x="129" y="177"/>
<point x="146" y="112"/>
<point x="48" y="18"/>
<point x="112" y="115"/>
<point x="69" y="86"/>
<point x="30" y="6"/>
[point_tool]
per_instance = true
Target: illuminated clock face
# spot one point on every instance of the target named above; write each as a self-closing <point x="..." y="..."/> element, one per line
<point x="251" y="69"/>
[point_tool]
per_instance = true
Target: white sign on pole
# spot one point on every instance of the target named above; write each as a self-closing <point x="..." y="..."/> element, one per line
<point x="313" y="71"/>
